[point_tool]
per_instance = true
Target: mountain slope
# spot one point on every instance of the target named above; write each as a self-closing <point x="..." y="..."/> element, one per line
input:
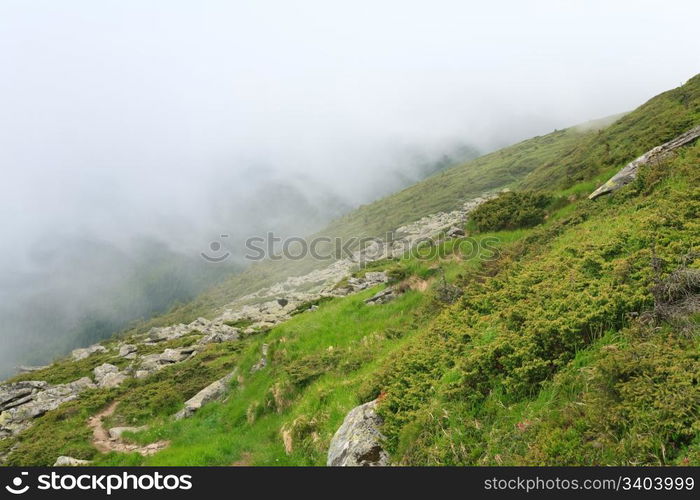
<point x="570" y="340"/>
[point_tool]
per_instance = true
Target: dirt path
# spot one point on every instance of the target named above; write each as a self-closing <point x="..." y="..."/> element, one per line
<point x="105" y="444"/>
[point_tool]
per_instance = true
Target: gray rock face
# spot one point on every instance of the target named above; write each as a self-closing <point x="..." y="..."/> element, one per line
<point x="86" y="352"/>
<point x="358" y="442"/>
<point x="70" y="462"/>
<point x="20" y="411"/>
<point x="210" y="393"/>
<point x="19" y="393"/>
<point x="629" y="172"/>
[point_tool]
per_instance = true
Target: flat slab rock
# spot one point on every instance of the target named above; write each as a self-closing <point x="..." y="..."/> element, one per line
<point x="212" y="392"/>
<point x="358" y="441"/>
<point x="628" y="173"/>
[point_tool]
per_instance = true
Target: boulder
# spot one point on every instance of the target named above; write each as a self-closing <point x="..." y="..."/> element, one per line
<point x="85" y="352"/>
<point x="358" y="441"/>
<point x="128" y="351"/>
<point x="70" y="462"/>
<point x="210" y="393"/>
<point x="154" y="362"/>
<point x="108" y="376"/>
<point x="167" y="333"/>
<point x="217" y="332"/>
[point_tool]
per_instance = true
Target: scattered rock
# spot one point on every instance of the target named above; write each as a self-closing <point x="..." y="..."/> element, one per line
<point x="86" y="352"/>
<point x="358" y="441"/>
<point x="210" y="393"/>
<point x="70" y="462"/>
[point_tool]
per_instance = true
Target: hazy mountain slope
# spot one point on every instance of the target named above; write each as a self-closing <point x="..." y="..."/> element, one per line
<point x="655" y="122"/>
<point x="554" y="160"/>
<point x="575" y="343"/>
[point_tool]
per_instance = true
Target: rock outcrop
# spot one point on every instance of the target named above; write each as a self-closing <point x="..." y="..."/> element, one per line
<point x="25" y="401"/>
<point x="210" y="393"/>
<point x="358" y="441"/>
<point x="629" y="172"/>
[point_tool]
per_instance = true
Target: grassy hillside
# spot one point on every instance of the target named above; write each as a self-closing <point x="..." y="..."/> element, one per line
<point x="558" y="160"/>
<point x="576" y="343"/>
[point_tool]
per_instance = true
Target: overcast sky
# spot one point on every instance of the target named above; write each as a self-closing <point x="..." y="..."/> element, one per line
<point x="121" y="117"/>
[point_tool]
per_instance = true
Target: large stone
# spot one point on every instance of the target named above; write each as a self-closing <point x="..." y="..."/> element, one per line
<point x="127" y="350"/>
<point x="154" y="362"/>
<point x="217" y="332"/>
<point x="86" y="352"/>
<point x="70" y="462"/>
<point x="108" y="376"/>
<point x="210" y="393"/>
<point x="629" y="171"/>
<point x="358" y="441"/>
